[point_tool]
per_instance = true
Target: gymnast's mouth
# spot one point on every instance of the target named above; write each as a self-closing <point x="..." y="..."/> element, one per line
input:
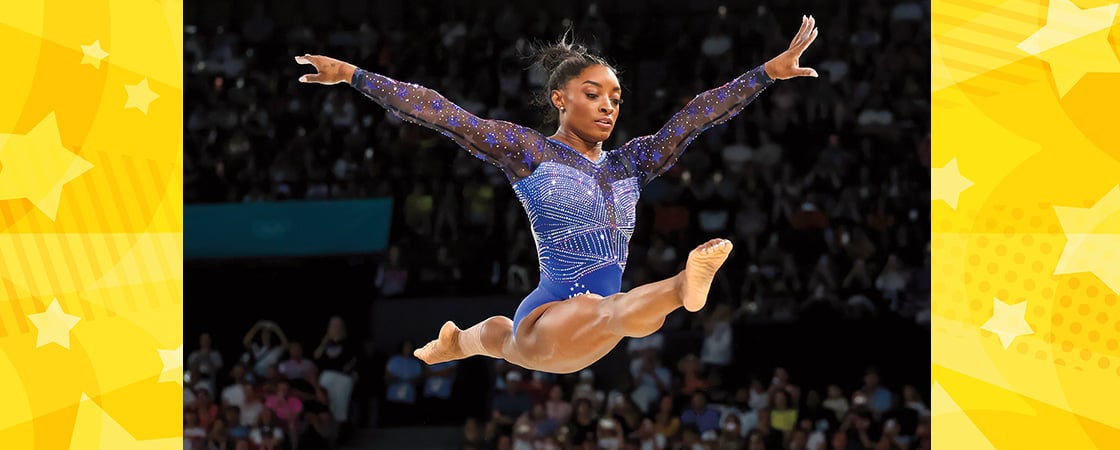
<point x="605" y="122"/>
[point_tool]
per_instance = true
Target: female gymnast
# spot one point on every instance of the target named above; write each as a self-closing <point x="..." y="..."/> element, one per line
<point x="581" y="201"/>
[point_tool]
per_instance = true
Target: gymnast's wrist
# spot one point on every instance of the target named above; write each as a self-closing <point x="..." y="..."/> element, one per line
<point x="765" y="74"/>
<point x="350" y="73"/>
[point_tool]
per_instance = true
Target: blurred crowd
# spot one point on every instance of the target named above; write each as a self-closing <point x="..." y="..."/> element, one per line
<point x="271" y="395"/>
<point x="691" y="403"/>
<point x="683" y="409"/>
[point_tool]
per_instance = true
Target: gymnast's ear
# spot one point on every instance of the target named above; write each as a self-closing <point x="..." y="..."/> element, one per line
<point x="557" y="99"/>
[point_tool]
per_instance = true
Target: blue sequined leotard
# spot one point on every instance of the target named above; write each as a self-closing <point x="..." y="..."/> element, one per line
<point x="581" y="211"/>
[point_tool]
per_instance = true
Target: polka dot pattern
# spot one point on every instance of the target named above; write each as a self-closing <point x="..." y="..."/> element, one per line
<point x="1011" y="253"/>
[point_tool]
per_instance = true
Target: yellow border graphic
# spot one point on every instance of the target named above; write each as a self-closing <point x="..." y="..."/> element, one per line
<point x="91" y="225"/>
<point x="1026" y="224"/>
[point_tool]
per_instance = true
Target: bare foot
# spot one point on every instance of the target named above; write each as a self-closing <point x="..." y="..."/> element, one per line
<point x="703" y="262"/>
<point x="444" y="349"/>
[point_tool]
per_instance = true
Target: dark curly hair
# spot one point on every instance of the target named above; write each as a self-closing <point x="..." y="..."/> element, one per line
<point x="562" y="60"/>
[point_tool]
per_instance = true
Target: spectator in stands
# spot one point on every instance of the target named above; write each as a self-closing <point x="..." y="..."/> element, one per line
<point x="523" y="433"/>
<point x="892" y="281"/>
<point x="557" y="408"/>
<point x="783" y="414"/>
<point x="237" y="429"/>
<point x="716" y="351"/>
<point x="205" y="362"/>
<point x="403" y="374"/>
<point x="700" y="414"/>
<point x="914" y="400"/>
<point x="296" y="367"/>
<point x="286" y="408"/>
<point x="472" y="435"/>
<point x="586" y="389"/>
<point x="837" y="402"/>
<point x="781" y="382"/>
<point x="267" y="384"/>
<point x="584" y="423"/>
<point x="510" y="404"/>
<point x="320" y="433"/>
<point x="691" y="375"/>
<point x="336" y="358"/>
<point x="263" y="352"/>
<point x="204" y="405"/>
<point x="652" y="380"/>
<point x="666" y="421"/>
<point x="690" y="439"/>
<point x="194" y="434"/>
<point x="815" y="412"/>
<point x="218" y="438"/>
<point x="878" y="397"/>
<point x="730" y="436"/>
<point x="773" y="438"/>
<point x="251" y="409"/>
<point x="538" y="385"/>
<point x="234" y="392"/>
<point x="268" y="434"/>
<point x="609" y="434"/>
<point x="798" y="440"/>
<point x="392" y="275"/>
<point x="438" y="382"/>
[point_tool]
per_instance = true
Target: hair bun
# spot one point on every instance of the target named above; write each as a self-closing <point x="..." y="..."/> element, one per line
<point x="551" y="56"/>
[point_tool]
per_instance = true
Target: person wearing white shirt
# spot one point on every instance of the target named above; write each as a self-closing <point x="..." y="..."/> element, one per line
<point x="716" y="349"/>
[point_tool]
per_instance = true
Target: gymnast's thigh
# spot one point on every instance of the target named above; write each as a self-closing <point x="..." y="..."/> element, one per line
<point x="539" y="297"/>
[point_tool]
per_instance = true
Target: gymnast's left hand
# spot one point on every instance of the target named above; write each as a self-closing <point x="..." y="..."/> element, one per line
<point x="327" y="70"/>
<point x="786" y="65"/>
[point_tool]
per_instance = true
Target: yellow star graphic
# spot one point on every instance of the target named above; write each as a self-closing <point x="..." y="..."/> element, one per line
<point x="92" y="54"/>
<point x="1008" y="321"/>
<point x="36" y="165"/>
<point x="54" y="326"/>
<point x="172" y="365"/>
<point x="1082" y="35"/>
<point x="139" y="96"/>
<point x="96" y="429"/>
<point x="1092" y="239"/>
<point x="947" y="183"/>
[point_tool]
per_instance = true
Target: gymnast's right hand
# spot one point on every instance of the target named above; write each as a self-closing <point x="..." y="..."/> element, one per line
<point x="328" y="70"/>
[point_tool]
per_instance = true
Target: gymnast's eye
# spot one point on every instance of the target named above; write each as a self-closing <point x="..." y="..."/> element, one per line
<point x="593" y="96"/>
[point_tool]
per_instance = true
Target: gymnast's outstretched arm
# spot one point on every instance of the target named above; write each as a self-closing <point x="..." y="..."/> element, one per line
<point x="654" y="154"/>
<point x="509" y="146"/>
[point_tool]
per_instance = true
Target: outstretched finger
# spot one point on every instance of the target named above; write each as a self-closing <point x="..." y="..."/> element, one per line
<point x="310" y="78"/>
<point x="810" y="25"/>
<point x="313" y="60"/>
<point x="805" y="44"/>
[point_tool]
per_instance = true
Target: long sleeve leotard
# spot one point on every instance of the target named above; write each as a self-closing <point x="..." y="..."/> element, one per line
<point x="582" y="212"/>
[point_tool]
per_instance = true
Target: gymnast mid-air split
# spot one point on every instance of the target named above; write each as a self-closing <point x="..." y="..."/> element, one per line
<point x="581" y="201"/>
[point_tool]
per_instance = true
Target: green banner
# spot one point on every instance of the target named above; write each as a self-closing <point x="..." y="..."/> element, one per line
<point x="288" y="228"/>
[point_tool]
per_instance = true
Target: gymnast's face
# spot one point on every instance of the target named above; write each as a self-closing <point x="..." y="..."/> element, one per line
<point x="589" y="103"/>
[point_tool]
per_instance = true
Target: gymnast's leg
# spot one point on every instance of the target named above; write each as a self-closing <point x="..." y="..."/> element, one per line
<point x="568" y="335"/>
<point x="493" y="337"/>
<point x="642" y="311"/>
